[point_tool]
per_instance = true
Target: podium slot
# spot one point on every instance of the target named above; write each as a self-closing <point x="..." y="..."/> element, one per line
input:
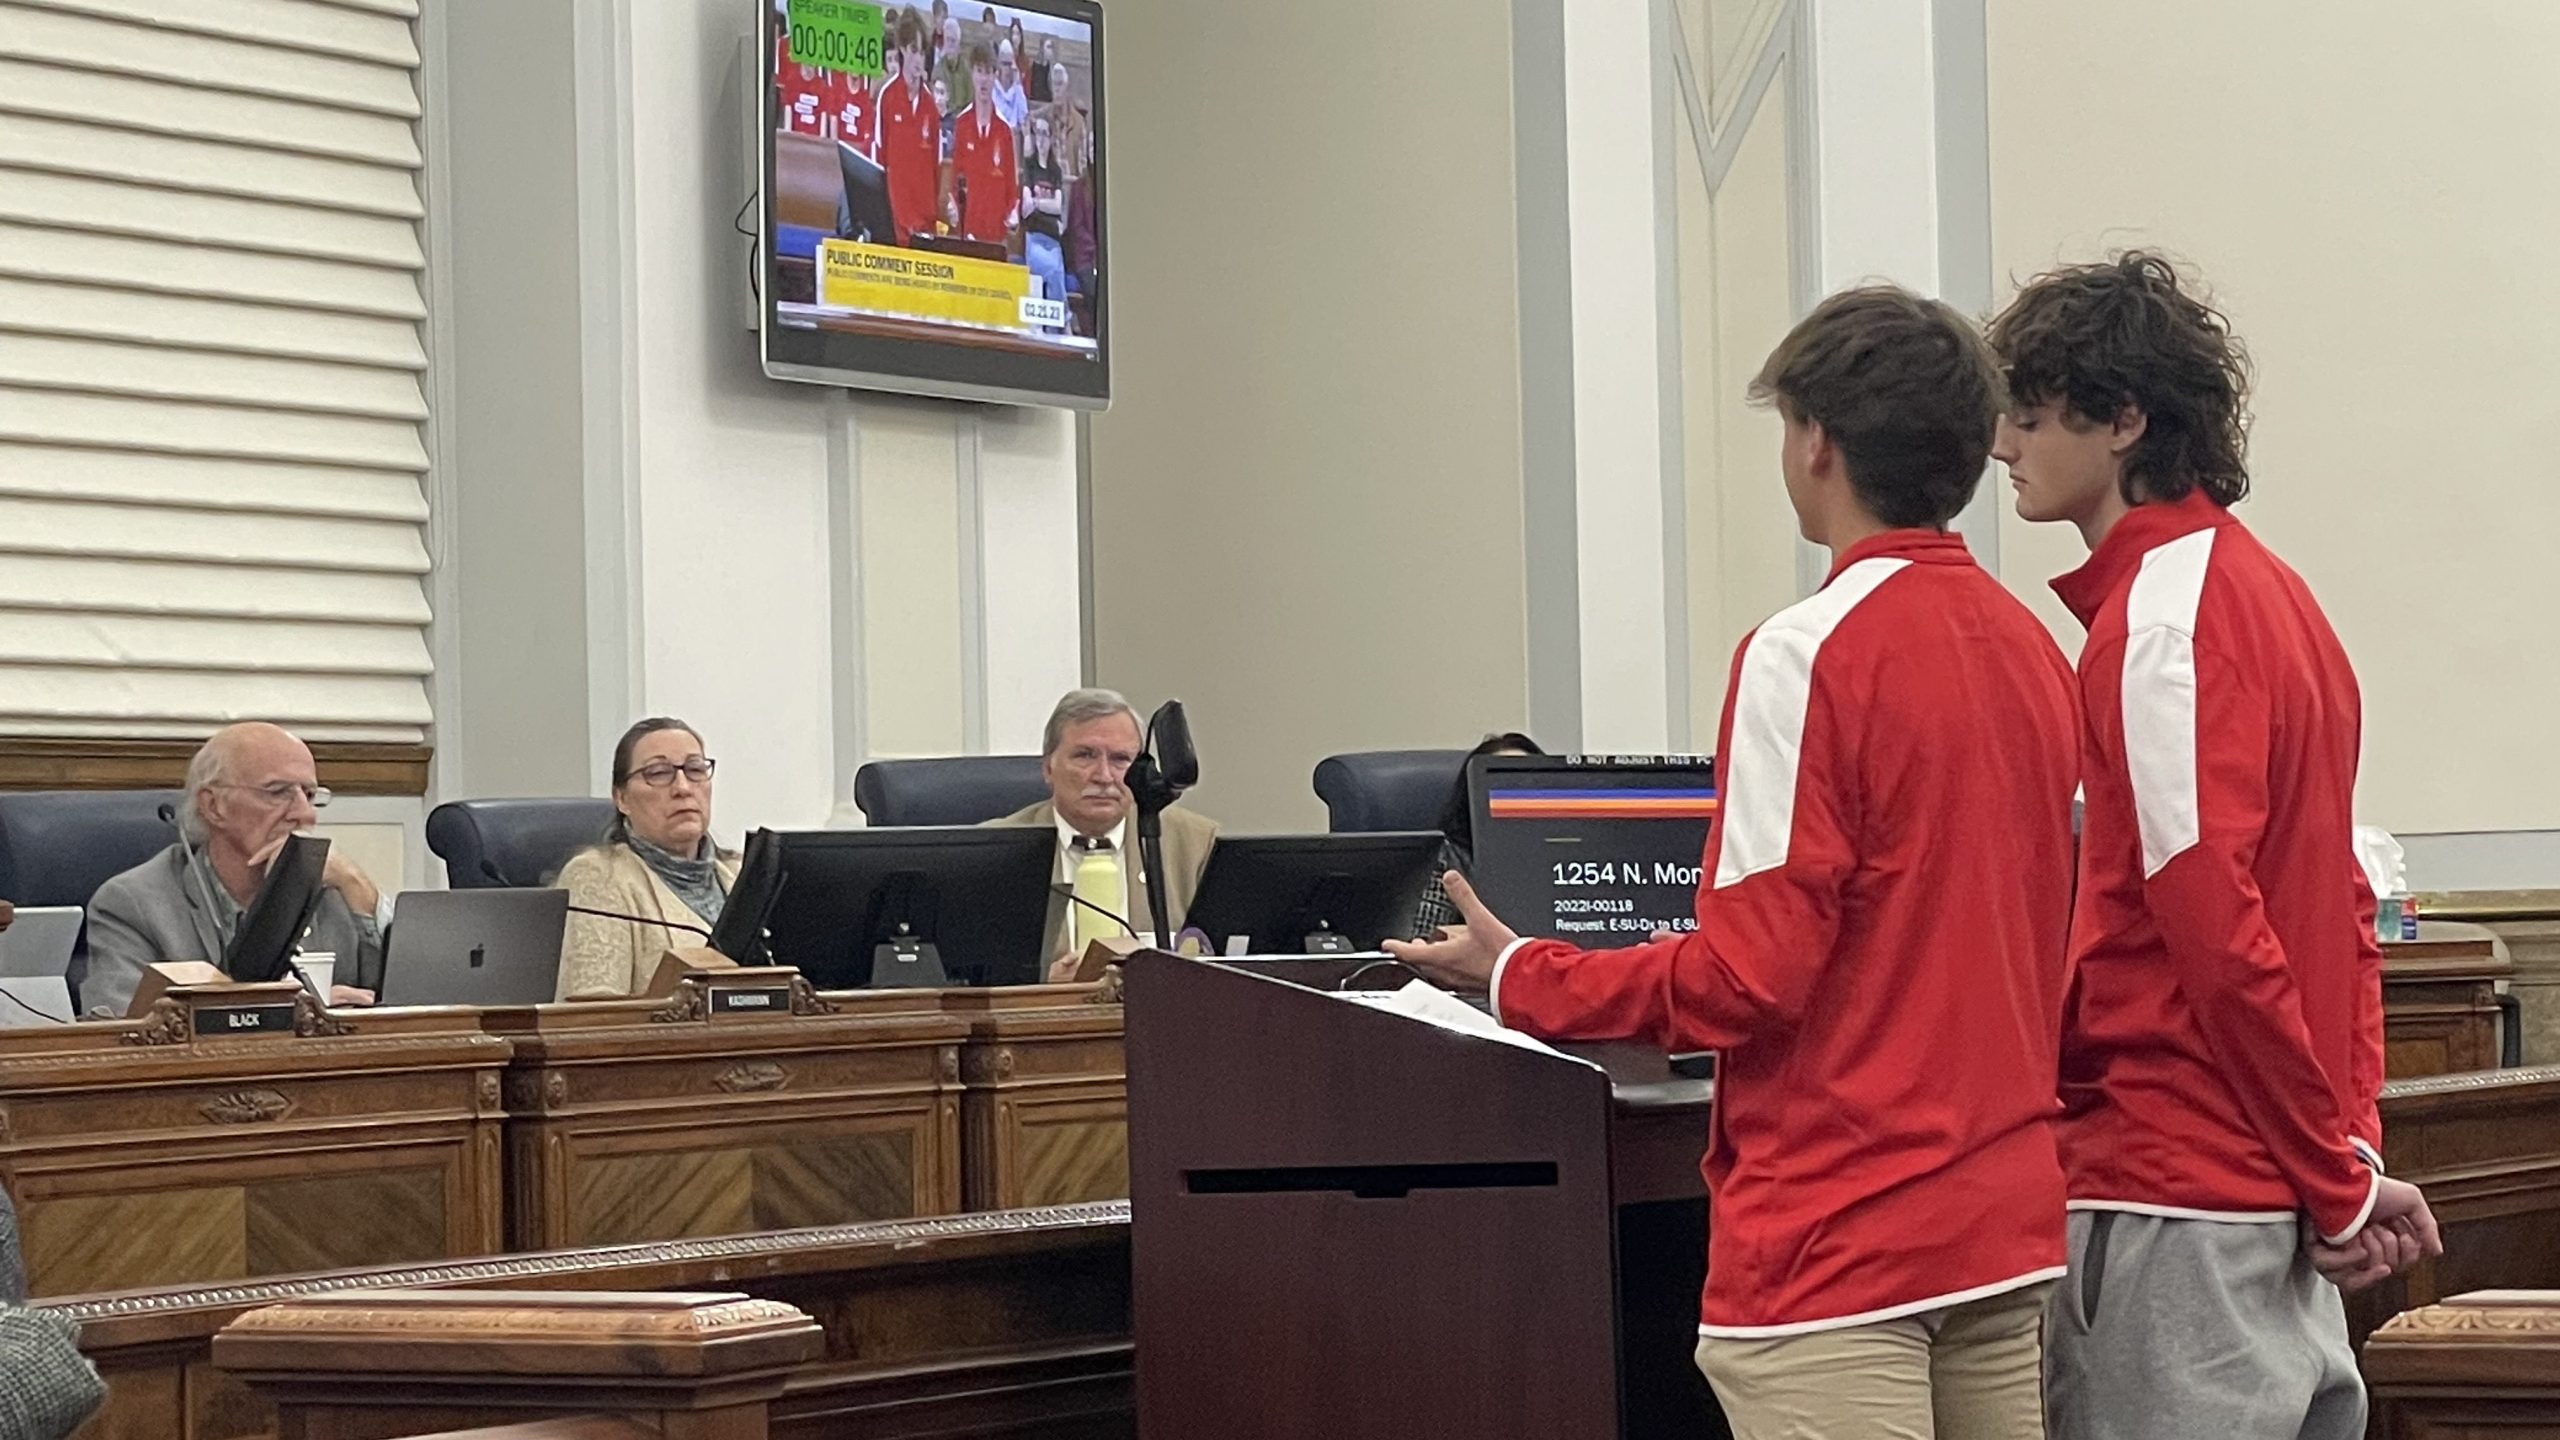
<point x="1372" y="1182"/>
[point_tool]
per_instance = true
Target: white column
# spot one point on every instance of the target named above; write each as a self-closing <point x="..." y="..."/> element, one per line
<point x="1902" y="164"/>
<point x="1614" y="200"/>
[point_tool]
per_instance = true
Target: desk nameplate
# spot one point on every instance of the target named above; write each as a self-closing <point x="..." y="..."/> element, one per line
<point x="215" y="1021"/>
<point x="750" y="1000"/>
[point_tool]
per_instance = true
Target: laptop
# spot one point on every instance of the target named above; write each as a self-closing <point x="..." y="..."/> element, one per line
<point x="475" y="947"/>
<point x="35" y="966"/>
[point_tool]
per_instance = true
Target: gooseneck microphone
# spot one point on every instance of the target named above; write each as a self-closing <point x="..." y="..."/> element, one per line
<point x="491" y="871"/>
<point x="640" y="920"/>
<point x="1065" y="891"/>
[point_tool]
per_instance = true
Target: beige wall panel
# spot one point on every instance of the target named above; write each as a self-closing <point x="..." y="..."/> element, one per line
<point x="1307" y="494"/>
<point x="1754" y="564"/>
<point x="2366" y="186"/>
<point x="910" y="579"/>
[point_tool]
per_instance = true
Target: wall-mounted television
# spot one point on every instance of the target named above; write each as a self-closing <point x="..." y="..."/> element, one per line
<point x="934" y="211"/>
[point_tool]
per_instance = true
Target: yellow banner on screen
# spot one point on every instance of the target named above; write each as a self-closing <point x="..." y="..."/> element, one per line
<point x="858" y="276"/>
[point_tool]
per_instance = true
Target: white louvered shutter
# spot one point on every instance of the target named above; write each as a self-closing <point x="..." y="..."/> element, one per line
<point x="211" y="467"/>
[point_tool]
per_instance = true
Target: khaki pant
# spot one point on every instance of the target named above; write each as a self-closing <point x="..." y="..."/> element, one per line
<point x="1968" y="1372"/>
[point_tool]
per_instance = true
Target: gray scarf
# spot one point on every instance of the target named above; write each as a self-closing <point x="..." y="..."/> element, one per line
<point x="695" y="881"/>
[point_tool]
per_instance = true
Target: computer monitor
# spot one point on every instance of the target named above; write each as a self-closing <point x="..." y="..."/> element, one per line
<point x="1312" y="894"/>
<point x="262" y="948"/>
<point x="974" y="899"/>
<point x="740" y="935"/>
<point x="863" y="215"/>
<point x="1601" y="850"/>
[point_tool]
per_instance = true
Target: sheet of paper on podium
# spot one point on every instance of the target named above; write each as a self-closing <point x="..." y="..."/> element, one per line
<point x="1428" y="1003"/>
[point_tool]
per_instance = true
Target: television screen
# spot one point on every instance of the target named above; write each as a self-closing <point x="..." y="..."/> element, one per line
<point x="933" y="200"/>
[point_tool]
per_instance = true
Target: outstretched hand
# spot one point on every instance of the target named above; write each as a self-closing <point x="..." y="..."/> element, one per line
<point x="1460" y="957"/>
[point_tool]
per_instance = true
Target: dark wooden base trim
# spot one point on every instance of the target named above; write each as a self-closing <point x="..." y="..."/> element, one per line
<point x="48" y="762"/>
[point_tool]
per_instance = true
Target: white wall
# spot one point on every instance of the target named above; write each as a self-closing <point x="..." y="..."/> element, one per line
<point x="644" y="523"/>
<point x="2366" y="188"/>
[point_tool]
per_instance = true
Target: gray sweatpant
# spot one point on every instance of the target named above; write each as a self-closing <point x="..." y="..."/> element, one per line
<point x="2196" y="1330"/>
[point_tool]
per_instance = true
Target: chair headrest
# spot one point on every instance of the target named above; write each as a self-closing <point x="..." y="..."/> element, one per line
<point x="524" y="841"/>
<point x="1371" y="790"/>
<point x="958" y="790"/>
<point x="58" y="846"/>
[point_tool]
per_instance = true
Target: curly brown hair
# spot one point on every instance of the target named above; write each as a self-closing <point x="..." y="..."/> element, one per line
<point x="1906" y="389"/>
<point x="2125" y="332"/>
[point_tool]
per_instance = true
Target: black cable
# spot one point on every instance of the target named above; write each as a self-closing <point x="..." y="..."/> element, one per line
<point x="1359" y="970"/>
<point x="30" y="1009"/>
<point x="738" y="222"/>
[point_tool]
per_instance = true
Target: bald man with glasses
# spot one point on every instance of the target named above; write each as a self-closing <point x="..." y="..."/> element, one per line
<point x="248" y="789"/>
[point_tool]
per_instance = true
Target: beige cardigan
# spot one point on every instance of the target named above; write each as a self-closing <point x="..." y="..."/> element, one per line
<point x="604" y="959"/>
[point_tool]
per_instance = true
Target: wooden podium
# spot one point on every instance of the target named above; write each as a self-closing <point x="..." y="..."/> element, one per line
<point x="1350" y="1223"/>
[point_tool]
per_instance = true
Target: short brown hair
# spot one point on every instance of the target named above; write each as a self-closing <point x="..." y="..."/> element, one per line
<point x="980" y="57"/>
<point x="2122" y="333"/>
<point x="910" y="31"/>
<point x="1904" y="386"/>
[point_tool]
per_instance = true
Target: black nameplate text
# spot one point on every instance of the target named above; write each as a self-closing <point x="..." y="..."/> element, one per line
<point x="213" y="1021"/>
<point x="751" y="1000"/>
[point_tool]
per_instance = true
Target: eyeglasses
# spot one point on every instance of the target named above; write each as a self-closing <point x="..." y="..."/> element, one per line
<point x="282" y="792"/>
<point x="661" y="774"/>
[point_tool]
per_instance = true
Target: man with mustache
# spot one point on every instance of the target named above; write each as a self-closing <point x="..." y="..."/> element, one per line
<point x="1093" y="737"/>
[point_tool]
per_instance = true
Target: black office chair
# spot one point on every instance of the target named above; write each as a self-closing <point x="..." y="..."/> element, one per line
<point x="1371" y="790"/>
<point x="960" y="790"/>
<point x="58" y="846"/>
<point x="495" y="844"/>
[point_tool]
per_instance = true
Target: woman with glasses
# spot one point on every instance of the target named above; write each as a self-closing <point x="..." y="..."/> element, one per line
<point x="657" y="864"/>
<point x="249" y="789"/>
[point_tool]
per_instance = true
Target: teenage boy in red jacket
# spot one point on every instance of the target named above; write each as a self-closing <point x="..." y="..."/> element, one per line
<point x="1879" y="949"/>
<point x="2222" y="1056"/>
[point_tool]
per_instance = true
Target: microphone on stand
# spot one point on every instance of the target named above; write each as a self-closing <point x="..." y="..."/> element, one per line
<point x="1166" y="766"/>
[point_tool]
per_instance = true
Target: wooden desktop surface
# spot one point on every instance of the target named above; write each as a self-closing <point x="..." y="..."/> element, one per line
<point x="139" y="1153"/>
<point x="1012" y="1324"/>
<point x="2440" y="1000"/>
<point x="402" y="1135"/>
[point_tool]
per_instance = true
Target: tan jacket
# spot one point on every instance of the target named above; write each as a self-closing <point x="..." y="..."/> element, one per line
<point x="1188" y="839"/>
<point x="604" y="959"/>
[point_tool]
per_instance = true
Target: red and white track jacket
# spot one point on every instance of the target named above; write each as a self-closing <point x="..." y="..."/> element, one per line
<point x="1879" y="956"/>
<point x="2222" y="1057"/>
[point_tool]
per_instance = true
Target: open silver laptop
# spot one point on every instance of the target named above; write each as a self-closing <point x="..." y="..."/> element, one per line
<point x="475" y="947"/>
<point x="35" y="965"/>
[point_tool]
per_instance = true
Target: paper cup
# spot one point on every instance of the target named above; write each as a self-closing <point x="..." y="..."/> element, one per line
<point x="317" y="968"/>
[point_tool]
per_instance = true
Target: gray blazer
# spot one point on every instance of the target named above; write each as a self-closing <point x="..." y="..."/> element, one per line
<point x="158" y="911"/>
<point x="47" y="1388"/>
